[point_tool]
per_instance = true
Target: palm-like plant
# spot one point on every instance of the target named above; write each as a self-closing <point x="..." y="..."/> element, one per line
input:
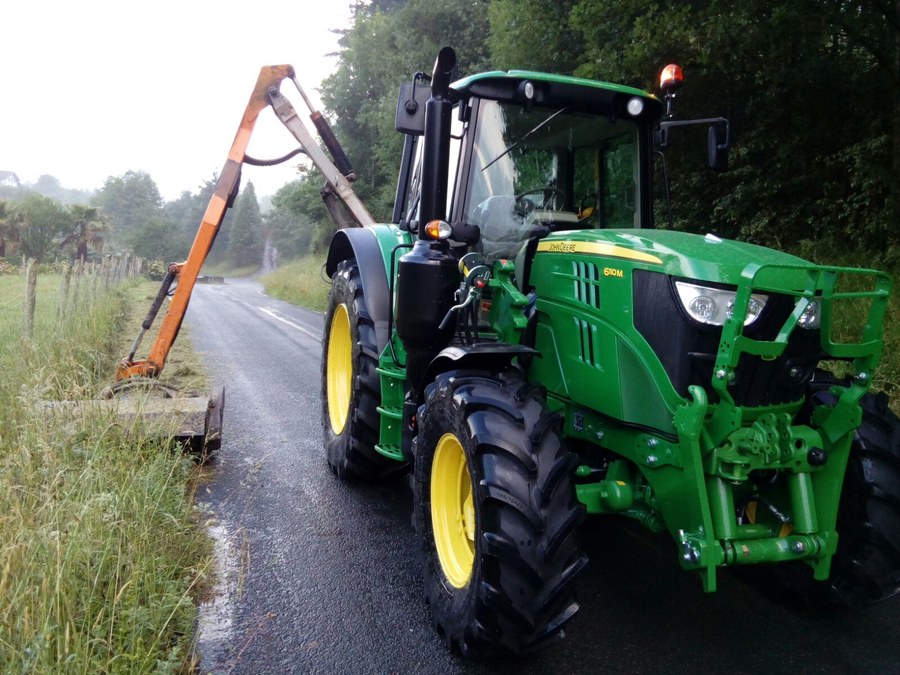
<point x="88" y="230"/>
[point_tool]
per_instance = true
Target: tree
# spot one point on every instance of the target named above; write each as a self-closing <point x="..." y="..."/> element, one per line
<point x="245" y="243"/>
<point x="9" y="226"/>
<point x="133" y="207"/>
<point x="129" y="202"/>
<point x="88" y="229"/>
<point x="810" y="164"/>
<point x="299" y="222"/>
<point x="49" y="186"/>
<point x="43" y="220"/>
<point x="382" y="50"/>
<point x="188" y="210"/>
<point x="187" y="213"/>
<point x="158" y="240"/>
<point x="533" y="35"/>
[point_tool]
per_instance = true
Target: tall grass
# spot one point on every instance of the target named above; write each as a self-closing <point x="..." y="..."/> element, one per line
<point x="99" y="557"/>
<point x="301" y="282"/>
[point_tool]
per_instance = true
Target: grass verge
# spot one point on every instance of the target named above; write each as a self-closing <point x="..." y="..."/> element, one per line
<point x="100" y="558"/>
<point x="301" y="282"/>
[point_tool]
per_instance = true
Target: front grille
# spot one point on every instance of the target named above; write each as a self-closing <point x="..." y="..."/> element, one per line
<point x="687" y="349"/>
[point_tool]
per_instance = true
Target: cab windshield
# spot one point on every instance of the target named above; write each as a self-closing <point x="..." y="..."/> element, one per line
<point x="541" y="170"/>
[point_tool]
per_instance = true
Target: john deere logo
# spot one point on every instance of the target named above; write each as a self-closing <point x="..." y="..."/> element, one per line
<point x="560" y="247"/>
<point x="597" y="248"/>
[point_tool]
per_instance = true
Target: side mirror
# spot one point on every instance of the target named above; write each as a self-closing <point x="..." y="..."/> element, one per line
<point x="411" y="106"/>
<point x="717" y="147"/>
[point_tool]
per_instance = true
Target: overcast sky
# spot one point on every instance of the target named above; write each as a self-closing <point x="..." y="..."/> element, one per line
<point x="96" y="88"/>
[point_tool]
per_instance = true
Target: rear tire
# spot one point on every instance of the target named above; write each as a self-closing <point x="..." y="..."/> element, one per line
<point x="350" y="383"/>
<point x="496" y="515"/>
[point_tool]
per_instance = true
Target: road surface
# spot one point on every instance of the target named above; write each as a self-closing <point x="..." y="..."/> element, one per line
<point x="320" y="576"/>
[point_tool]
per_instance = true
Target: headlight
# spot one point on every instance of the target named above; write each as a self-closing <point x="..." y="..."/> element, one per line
<point x="714" y="305"/>
<point x="810" y="318"/>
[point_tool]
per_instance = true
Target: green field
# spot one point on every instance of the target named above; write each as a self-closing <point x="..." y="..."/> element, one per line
<point x="101" y="560"/>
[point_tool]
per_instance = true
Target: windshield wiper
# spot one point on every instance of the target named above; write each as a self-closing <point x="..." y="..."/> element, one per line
<point x="522" y="140"/>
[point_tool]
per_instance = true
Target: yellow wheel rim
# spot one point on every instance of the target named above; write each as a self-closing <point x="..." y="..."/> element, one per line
<point x="339" y="373"/>
<point x="453" y="511"/>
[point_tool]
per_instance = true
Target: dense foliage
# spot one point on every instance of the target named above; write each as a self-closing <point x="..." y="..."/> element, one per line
<point x="811" y="88"/>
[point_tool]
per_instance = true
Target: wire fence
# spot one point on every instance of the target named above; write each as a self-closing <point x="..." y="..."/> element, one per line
<point x="80" y="283"/>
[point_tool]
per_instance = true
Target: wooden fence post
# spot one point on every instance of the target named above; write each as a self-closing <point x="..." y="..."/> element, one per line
<point x="96" y="268"/>
<point x="76" y="289"/>
<point x="64" y="291"/>
<point x="30" y="296"/>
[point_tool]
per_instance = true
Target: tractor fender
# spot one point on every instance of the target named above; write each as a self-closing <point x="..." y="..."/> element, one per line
<point x="362" y="244"/>
<point x="492" y="356"/>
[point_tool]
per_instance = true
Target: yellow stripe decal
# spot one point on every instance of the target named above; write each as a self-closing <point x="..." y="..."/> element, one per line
<point x="596" y="248"/>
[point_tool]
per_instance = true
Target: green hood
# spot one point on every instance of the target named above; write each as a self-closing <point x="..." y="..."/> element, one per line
<point x="692" y="256"/>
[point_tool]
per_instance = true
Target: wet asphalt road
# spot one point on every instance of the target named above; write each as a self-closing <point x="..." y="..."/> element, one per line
<point x="320" y="576"/>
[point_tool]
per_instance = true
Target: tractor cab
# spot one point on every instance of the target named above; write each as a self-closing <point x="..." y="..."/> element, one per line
<point x="532" y="154"/>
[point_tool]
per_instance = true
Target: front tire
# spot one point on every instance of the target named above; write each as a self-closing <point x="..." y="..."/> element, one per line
<point x="865" y="568"/>
<point x="496" y="515"/>
<point x="350" y="383"/>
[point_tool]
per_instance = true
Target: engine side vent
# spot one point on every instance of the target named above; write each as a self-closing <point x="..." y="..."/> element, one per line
<point x="587" y="283"/>
<point x="587" y="333"/>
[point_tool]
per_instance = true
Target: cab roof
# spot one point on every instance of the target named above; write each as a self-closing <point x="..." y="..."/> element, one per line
<point x="555" y="91"/>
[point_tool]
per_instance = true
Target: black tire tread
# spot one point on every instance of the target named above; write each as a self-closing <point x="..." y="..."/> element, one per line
<point x="352" y="454"/>
<point x="522" y="592"/>
<point x="866" y="566"/>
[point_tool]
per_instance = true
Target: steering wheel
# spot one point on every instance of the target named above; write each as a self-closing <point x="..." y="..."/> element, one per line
<point x="552" y="199"/>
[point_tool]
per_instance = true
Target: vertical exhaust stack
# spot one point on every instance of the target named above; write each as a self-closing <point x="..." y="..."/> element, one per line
<point x="436" y="153"/>
<point x="428" y="275"/>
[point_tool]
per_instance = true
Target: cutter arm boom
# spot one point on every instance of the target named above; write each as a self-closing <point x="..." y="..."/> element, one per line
<point x="265" y="93"/>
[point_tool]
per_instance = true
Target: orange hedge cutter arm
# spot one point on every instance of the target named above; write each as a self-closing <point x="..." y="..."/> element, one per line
<point x="265" y="93"/>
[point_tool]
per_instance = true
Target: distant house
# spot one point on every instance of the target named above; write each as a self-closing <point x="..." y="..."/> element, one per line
<point x="9" y="179"/>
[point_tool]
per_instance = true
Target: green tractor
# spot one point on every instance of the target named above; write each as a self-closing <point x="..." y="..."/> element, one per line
<point x="524" y="341"/>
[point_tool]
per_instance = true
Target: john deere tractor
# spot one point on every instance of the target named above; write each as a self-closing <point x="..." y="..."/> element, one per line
<point x="524" y="342"/>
